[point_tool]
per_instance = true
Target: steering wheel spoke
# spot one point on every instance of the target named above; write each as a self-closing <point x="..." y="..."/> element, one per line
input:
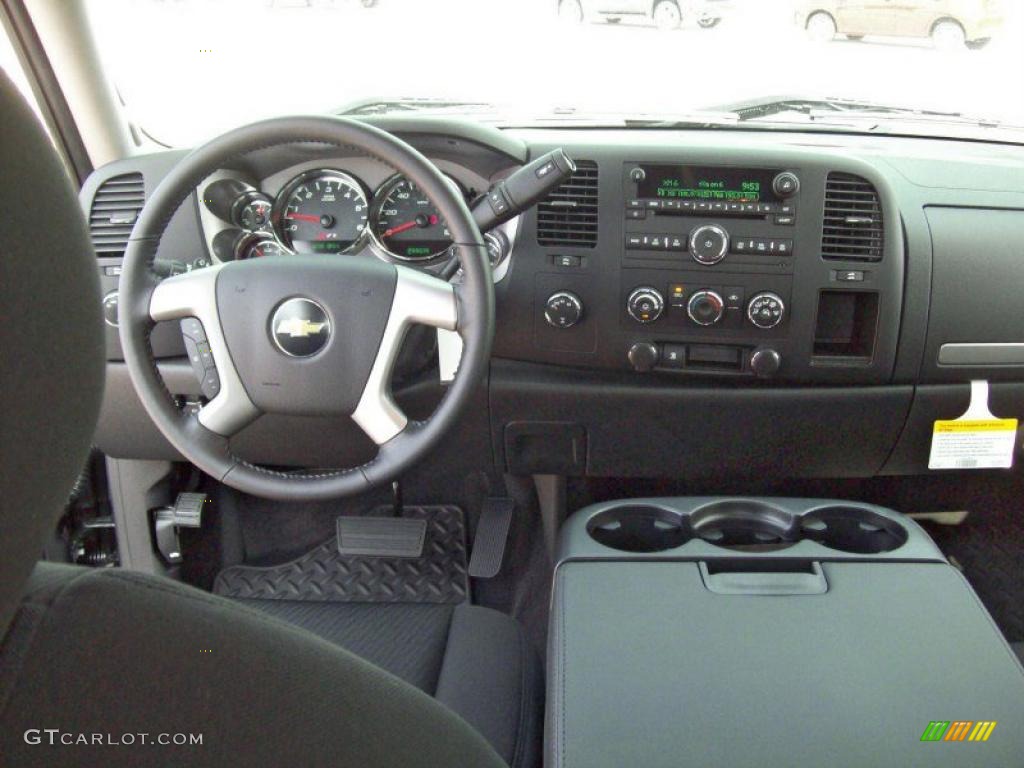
<point x="194" y="295"/>
<point x="419" y="299"/>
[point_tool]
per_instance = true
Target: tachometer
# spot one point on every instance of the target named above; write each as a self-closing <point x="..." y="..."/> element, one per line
<point x="321" y="212"/>
<point x="406" y="223"/>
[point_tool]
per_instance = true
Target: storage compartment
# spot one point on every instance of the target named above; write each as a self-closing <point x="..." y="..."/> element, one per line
<point x="975" y="295"/>
<point x="846" y="324"/>
<point x="640" y="528"/>
<point x="853" y="529"/>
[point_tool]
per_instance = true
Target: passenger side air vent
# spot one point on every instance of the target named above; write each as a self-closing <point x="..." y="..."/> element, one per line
<point x="852" y="229"/>
<point x="114" y="210"/>
<point x="568" y="216"/>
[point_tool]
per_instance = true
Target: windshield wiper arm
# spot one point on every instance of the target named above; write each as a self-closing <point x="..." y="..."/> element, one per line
<point x="831" y="109"/>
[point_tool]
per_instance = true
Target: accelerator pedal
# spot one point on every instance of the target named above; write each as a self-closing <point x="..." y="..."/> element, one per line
<point x="491" y="538"/>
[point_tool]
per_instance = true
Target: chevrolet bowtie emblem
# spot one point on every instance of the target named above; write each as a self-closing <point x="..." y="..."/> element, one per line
<point x="298" y="328"/>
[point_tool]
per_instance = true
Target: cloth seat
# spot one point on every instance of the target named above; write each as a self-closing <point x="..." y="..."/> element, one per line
<point x="474" y="660"/>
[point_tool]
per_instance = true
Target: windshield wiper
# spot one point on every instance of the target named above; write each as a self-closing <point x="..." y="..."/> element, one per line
<point x="365" y="107"/>
<point x="832" y="110"/>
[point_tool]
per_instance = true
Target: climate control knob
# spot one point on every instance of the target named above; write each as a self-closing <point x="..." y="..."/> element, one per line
<point x="709" y="244"/>
<point x="705" y="307"/>
<point x="766" y="310"/>
<point x="563" y="309"/>
<point x="645" y="305"/>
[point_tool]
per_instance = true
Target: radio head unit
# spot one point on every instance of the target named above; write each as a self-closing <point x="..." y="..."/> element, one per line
<point x="694" y="182"/>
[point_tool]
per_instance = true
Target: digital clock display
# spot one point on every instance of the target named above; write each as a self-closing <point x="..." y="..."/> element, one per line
<point x="690" y="182"/>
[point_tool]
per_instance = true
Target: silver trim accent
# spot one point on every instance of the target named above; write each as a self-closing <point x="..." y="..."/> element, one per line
<point x="981" y="354"/>
<point x="655" y="295"/>
<point x="711" y="294"/>
<point x="419" y="299"/>
<point x="765" y="294"/>
<point x="721" y="254"/>
<point x="194" y="294"/>
<point x="377" y="204"/>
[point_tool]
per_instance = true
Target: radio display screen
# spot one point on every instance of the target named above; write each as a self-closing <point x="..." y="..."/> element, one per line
<point x="691" y="182"/>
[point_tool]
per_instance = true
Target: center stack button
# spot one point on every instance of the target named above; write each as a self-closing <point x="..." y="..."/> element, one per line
<point x="645" y="305"/>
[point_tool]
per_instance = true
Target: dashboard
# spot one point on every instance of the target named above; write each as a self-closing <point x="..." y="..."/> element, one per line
<point x="690" y="304"/>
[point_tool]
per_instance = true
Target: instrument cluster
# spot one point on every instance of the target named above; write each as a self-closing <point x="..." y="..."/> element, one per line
<point x="328" y="211"/>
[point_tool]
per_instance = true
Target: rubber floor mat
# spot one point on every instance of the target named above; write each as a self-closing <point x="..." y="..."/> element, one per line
<point x="989" y="547"/>
<point x="438" y="576"/>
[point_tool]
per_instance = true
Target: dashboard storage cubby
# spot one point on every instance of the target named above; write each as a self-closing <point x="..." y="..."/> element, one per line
<point x="766" y="632"/>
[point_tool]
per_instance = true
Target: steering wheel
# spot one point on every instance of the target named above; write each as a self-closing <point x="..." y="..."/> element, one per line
<point x="309" y="335"/>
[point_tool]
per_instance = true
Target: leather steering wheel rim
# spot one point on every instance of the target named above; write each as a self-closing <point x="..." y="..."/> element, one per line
<point x="142" y="296"/>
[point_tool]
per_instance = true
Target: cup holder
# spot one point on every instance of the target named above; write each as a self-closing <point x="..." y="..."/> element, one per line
<point x="639" y="528"/>
<point x="744" y="525"/>
<point x="853" y="529"/>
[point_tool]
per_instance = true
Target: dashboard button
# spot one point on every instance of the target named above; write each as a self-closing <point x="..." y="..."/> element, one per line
<point x="676" y="243"/>
<point x="673" y="356"/>
<point x="635" y="203"/>
<point x="783" y="247"/>
<point x="677" y="295"/>
<point x="766" y="310"/>
<point x="636" y="213"/>
<point x="634" y="241"/>
<point x="643" y="356"/>
<point x="566" y="260"/>
<point x="563" y="309"/>
<point x="733" y="298"/>
<point x="110" y="309"/>
<point x="637" y="175"/>
<point x="850" y="276"/>
<point x="786" y="184"/>
<point x="785" y="220"/>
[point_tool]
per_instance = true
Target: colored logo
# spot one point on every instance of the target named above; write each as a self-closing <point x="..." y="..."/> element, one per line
<point x="300" y="327"/>
<point x="958" y="730"/>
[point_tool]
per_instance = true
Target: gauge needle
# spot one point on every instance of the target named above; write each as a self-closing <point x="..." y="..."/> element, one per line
<point x="410" y="224"/>
<point x="303" y="217"/>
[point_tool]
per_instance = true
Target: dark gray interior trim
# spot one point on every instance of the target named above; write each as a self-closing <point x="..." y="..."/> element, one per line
<point x="981" y="354"/>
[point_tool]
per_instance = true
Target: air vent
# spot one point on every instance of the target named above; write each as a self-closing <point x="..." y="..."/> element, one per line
<point x="568" y="216"/>
<point x="115" y="208"/>
<point x="852" y="229"/>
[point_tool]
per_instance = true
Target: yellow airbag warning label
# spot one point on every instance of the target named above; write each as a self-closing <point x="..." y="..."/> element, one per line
<point x="973" y="444"/>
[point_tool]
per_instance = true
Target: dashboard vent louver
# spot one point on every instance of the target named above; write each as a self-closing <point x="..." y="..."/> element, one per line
<point x="568" y="216"/>
<point x="115" y="208"/>
<point x="852" y="229"/>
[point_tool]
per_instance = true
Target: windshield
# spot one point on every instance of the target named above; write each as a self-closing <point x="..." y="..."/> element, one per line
<point x="189" y="69"/>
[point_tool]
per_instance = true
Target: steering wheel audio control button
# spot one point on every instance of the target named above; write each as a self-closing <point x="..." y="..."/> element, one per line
<point x="200" y="355"/>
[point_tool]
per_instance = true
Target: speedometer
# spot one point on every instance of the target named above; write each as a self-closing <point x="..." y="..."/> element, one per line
<point x="406" y="223"/>
<point x="321" y="212"/>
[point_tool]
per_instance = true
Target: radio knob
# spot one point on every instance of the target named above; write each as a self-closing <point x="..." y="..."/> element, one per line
<point x="563" y="309"/>
<point x="766" y="310"/>
<point x="645" y="305"/>
<point x="786" y="184"/>
<point x="643" y="356"/>
<point x="705" y="308"/>
<point x="765" y="362"/>
<point x="709" y="244"/>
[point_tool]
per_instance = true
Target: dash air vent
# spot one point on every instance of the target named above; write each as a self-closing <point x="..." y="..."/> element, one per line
<point x="115" y="208"/>
<point x="852" y="229"/>
<point x="568" y="216"/>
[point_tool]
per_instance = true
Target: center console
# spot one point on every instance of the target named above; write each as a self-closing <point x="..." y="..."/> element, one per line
<point x="770" y="632"/>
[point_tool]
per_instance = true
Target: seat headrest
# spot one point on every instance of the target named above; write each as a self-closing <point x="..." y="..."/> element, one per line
<point x="51" y="341"/>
